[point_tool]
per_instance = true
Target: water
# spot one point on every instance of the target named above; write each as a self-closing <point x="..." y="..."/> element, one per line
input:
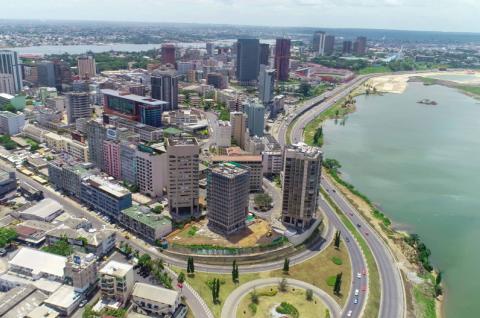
<point x="421" y="164"/>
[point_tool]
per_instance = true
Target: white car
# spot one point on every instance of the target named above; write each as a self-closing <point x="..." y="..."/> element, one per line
<point x="357" y="292"/>
<point x="359" y="275"/>
<point x="349" y="313"/>
<point x="355" y="301"/>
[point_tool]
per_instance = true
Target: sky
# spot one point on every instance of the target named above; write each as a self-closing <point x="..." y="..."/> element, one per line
<point x="427" y="15"/>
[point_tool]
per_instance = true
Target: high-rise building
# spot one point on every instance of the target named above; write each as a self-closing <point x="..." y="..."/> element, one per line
<point x="248" y="61"/>
<point x="360" y="46"/>
<point x="301" y="184"/>
<point x="347" y="47"/>
<point x="209" y="47"/>
<point x="266" y="84"/>
<point x="238" y="120"/>
<point x="183" y="177"/>
<point x="10" y="64"/>
<point x="7" y="84"/>
<point x="319" y="43"/>
<point x="217" y="80"/>
<point x="10" y="123"/>
<point x="128" y="162"/>
<point x="151" y="173"/>
<point x="223" y="134"/>
<point x="78" y="106"/>
<point x="255" y="118"/>
<point x="228" y="188"/>
<point x="86" y="67"/>
<point x="46" y="74"/>
<point x="96" y="134"/>
<point x="168" y="54"/>
<point x="165" y="88"/>
<point x="282" y="58"/>
<point x="264" y="54"/>
<point x="111" y="158"/>
<point x="329" y="45"/>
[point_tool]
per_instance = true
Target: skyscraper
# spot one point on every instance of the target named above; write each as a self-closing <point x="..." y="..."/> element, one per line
<point x="165" y="88"/>
<point x="168" y="54"/>
<point x="255" y="118"/>
<point x="151" y="170"/>
<point x="10" y="64"/>
<point x="266" y="83"/>
<point x="248" y="61"/>
<point x="301" y="184"/>
<point x="319" y="43"/>
<point x="227" y="194"/>
<point x="238" y="120"/>
<point x="96" y="134"/>
<point x="78" y="106"/>
<point x="183" y="177"/>
<point x="111" y="158"/>
<point x="86" y="67"/>
<point x="46" y="74"/>
<point x="347" y="47"/>
<point x="209" y="47"/>
<point x="329" y="44"/>
<point x="264" y="54"/>
<point x="282" y="58"/>
<point x="360" y="45"/>
<point x="7" y="84"/>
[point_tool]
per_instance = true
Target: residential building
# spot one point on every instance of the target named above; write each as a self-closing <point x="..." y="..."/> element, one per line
<point x="111" y="158"/>
<point x="238" y="121"/>
<point x="168" y="54"/>
<point x="145" y="224"/>
<point x="10" y="123"/>
<point x="116" y="281"/>
<point x="266" y="84"/>
<point x="154" y="301"/>
<point x="277" y="106"/>
<point x="99" y="243"/>
<point x="282" y="59"/>
<point x="255" y="118"/>
<point x="223" y="134"/>
<point x="78" y="106"/>
<point x="8" y="181"/>
<point x="76" y="149"/>
<point x="145" y="132"/>
<point x="264" y="54"/>
<point x="319" y="43"/>
<point x="46" y="265"/>
<point x="228" y="188"/>
<point x="217" y="80"/>
<point x="301" y="184"/>
<point x="272" y="162"/>
<point x="347" y="47"/>
<point x="67" y="177"/>
<point x="105" y="197"/>
<point x="253" y="162"/>
<point x="183" y="176"/>
<point x="248" y="61"/>
<point x="151" y="170"/>
<point x="165" y="88"/>
<point x="329" y="45"/>
<point x="86" y="67"/>
<point x="10" y="64"/>
<point x="360" y="46"/>
<point x="81" y="271"/>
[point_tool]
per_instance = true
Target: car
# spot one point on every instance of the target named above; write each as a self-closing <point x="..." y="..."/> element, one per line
<point x="359" y="275"/>
<point x="351" y="214"/>
<point x="335" y="191"/>
<point x="358" y="225"/>
<point x="366" y="233"/>
<point x="357" y="292"/>
<point x="349" y="313"/>
<point x="83" y="303"/>
<point x="347" y="240"/>
<point x="364" y="272"/>
<point x="355" y="301"/>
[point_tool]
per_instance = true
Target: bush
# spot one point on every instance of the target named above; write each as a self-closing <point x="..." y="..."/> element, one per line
<point x="337" y="260"/>
<point x="288" y="309"/>
<point x="331" y="280"/>
<point x="253" y="308"/>
<point x="192" y="231"/>
<point x="309" y="294"/>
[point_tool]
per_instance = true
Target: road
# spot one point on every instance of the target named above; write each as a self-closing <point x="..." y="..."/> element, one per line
<point x="231" y="303"/>
<point x="393" y="300"/>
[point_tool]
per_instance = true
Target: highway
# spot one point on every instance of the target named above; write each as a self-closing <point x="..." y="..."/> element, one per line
<point x="393" y="299"/>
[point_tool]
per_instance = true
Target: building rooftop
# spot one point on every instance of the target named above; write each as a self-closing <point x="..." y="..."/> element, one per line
<point x="64" y="297"/>
<point x="144" y="216"/>
<point x="106" y="186"/>
<point x="117" y="269"/>
<point x="229" y="169"/>
<point x="306" y="150"/>
<point x="19" y="301"/>
<point x="44" y="262"/>
<point x="238" y="158"/>
<point x="156" y="294"/>
<point x="182" y="141"/>
<point x="6" y="96"/>
<point x="5" y="113"/>
<point x="93" y="239"/>
<point x="42" y="312"/>
<point x="135" y="98"/>
<point x="43" y="209"/>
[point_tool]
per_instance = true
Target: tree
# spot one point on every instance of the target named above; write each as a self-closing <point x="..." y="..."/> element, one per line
<point x="145" y="262"/>
<point x="254" y="297"/>
<point x="286" y="266"/>
<point x="438" y="279"/>
<point x="338" y="284"/>
<point x="215" y="290"/>
<point x="318" y="137"/>
<point x="263" y="200"/>
<point x="181" y="278"/>
<point x="337" y="240"/>
<point x="309" y="294"/>
<point x="190" y="266"/>
<point x="157" y="210"/>
<point x="282" y="286"/>
<point x="304" y="89"/>
<point x="235" y="272"/>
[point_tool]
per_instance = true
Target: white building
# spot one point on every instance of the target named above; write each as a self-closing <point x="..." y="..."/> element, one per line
<point x="45" y="210"/>
<point x="223" y="134"/>
<point x="34" y="264"/>
<point x="64" y="300"/>
<point x="7" y="83"/>
<point x="10" y="123"/>
<point x="154" y="301"/>
<point x="116" y="281"/>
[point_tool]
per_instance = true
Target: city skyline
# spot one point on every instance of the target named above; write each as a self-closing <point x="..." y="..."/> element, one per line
<point x="369" y="14"/>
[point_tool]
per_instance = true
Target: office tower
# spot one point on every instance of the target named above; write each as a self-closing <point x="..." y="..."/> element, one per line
<point x="86" y="67"/>
<point x="137" y="89"/>
<point x="319" y="43"/>
<point x="183" y="176"/>
<point x="78" y="106"/>
<point x="152" y="176"/>
<point x="248" y="61"/>
<point x="96" y="134"/>
<point x="360" y="45"/>
<point x="264" y="54"/>
<point x="277" y="105"/>
<point x="184" y="67"/>
<point x="347" y="47"/>
<point x="165" y="88"/>
<point x="168" y="54"/>
<point x="266" y="83"/>
<point x="227" y="195"/>
<point x="329" y="45"/>
<point x="255" y="118"/>
<point x="301" y="184"/>
<point x="7" y="84"/>
<point x="46" y="74"/>
<point x="209" y="47"/>
<point x="63" y="73"/>
<point x="223" y="134"/>
<point x="128" y="162"/>
<point x="10" y="64"/>
<point x="217" y="80"/>
<point x="111" y="158"/>
<point x="282" y="58"/>
<point x="238" y="120"/>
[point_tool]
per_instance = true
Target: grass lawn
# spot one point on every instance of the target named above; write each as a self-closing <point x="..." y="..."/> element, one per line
<point x="425" y="302"/>
<point x="314" y="271"/>
<point x="374" y="69"/>
<point x="474" y="90"/>
<point x="266" y="304"/>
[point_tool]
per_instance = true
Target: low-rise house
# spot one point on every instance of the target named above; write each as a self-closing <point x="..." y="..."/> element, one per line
<point x="155" y="301"/>
<point x="34" y="264"/>
<point x="99" y="243"/>
<point x="145" y="224"/>
<point x="116" y="281"/>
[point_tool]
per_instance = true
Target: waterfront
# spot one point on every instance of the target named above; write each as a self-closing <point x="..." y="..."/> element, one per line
<point x="419" y="163"/>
